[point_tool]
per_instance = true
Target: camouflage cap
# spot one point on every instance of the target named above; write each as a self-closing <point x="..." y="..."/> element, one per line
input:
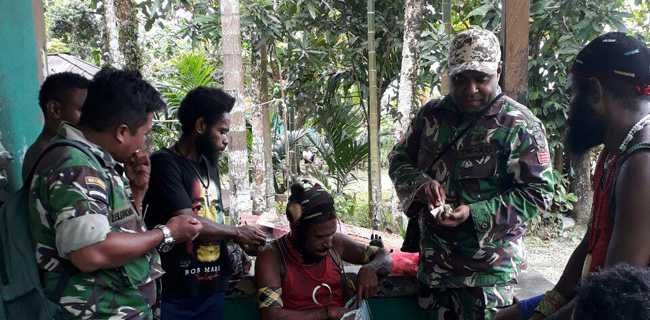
<point x="474" y="49"/>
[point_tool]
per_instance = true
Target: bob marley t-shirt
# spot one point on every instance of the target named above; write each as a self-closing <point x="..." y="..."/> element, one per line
<point x="195" y="268"/>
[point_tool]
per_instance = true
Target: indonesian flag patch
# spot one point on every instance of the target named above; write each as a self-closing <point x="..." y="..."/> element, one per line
<point x="544" y="157"/>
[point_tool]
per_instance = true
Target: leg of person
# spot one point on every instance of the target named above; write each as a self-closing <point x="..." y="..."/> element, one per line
<point x="435" y="303"/>
<point x="210" y="307"/>
<point x="520" y="310"/>
<point x="482" y="303"/>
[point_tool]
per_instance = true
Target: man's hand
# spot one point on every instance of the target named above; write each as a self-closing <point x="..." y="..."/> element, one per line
<point x="432" y="194"/>
<point x="184" y="228"/>
<point x="137" y="170"/>
<point x="453" y="219"/>
<point x="250" y="236"/>
<point x="251" y="250"/>
<point x="335" y="313"/>
<point x="367" y="283"/>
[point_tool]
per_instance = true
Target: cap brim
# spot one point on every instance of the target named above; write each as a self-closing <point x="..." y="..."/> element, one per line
<point x="485" y="67"/>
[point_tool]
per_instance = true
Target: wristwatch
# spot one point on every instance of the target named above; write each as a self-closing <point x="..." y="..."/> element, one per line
<point x="168" y="242"/>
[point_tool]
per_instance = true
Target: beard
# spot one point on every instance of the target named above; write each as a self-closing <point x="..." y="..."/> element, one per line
<point x="585" y="129"/>
<point x="205" y="146"/>
<point x="308" y="257"/>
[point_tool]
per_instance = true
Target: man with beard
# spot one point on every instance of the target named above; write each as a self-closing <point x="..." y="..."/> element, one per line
<point x="609" y="89"/>
<point x="185" y="181"/>
<point x="301" y="275"/>
<point x="485" y="155"/>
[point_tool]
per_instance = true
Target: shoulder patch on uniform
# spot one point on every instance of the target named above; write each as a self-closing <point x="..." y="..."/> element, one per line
<point x="544" y="157"/>
<point x="95" y="181"/>
<point x="540" y="139"/>
<point x="96" y="188"/>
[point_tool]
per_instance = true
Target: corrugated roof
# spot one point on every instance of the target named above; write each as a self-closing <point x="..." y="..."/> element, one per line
<point x="63" y="62"/>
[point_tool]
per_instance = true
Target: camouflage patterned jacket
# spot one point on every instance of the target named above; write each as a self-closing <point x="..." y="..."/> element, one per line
<point x="500" y="168"/>
<point x="71" y="206"/>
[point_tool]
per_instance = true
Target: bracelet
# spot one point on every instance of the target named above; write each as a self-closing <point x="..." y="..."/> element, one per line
<point x="552" y="302"/>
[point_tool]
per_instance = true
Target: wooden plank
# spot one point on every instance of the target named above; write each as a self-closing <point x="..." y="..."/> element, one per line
<point x="514" y="37"/>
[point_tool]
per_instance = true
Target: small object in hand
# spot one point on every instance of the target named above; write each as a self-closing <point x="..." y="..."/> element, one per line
<point x="444" y="209"/>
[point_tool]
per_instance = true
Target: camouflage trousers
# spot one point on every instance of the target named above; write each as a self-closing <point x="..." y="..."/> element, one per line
<point x="476" y="303"/>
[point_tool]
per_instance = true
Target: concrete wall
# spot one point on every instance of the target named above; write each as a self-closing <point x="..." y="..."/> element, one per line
<point x="20" y="76"/>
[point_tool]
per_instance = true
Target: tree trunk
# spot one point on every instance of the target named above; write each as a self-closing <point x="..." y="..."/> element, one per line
<point x="374" y="181"/>
<point x="258" y="162"/>
<point x="408" y="75"/>
<point x="127" y="17"/>
<point x="580" y="185"/>
<point x="559" y="160"/>
<point x="111" y="54"/>
<point x="446" y="19"/>
<point x="240" y="196"/>
<point x="269" y="192"/>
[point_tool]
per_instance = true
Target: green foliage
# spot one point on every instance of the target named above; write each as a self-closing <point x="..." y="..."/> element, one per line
<point x="192" y="70"/>
<point x="563" y="202"/>
<point x="341" y="143"/>
<point x="558" y="31"/>
<point x="278" y="152"/>
<point x="57" y="46"/>
<point x="76" y="25"/>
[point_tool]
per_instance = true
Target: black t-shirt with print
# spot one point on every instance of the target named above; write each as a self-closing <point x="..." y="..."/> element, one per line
<point x="192" y="269"/>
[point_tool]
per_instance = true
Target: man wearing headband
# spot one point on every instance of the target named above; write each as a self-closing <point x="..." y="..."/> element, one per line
<point x="609" y="89"/>
<point x="301" y="275"/>
<point x="487" y="157"/>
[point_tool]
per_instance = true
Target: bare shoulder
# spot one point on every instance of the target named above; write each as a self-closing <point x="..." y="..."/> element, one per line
<point x="269" y="254"/>
<point x="633" y="182"/>
<point x="635" y="170"/>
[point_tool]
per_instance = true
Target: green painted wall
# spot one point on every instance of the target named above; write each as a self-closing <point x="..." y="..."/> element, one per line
<point x="20" y="116"/>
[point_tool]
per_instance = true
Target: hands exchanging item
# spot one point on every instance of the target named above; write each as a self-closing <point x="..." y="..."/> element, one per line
<point x="433" y="194"/>
<point x="251" y="239"/>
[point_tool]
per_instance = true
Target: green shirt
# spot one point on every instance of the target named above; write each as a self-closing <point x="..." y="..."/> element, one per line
<point x="500" y="168"/>
<point x="72" y="206"/>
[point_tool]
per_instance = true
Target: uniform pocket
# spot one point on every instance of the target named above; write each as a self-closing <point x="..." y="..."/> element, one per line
<point x="137" y="271"/>
<point x="484" y="167"/>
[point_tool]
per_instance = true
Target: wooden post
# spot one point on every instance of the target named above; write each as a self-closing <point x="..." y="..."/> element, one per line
<point x="446" y="19"/>
<point x="514" y="37"/>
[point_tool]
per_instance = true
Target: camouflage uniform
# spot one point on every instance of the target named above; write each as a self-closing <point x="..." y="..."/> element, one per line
<point x="72" y="206"/>
<point x="499" y="167"/>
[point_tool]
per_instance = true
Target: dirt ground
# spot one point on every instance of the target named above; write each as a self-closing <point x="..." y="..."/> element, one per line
<point x="550" y="257"/>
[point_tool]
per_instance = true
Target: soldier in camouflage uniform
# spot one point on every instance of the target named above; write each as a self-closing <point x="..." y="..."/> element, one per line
<point x="90" y="227"/>
<point x="496" y="173"/>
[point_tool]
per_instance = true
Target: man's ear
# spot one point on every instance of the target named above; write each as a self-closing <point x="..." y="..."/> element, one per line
<point x="53" y="109"/>
<point x="200" y="126"/>
<point x="595" y="92"/>
<point x="499" y="69"/>
<point x="121" y="132"/>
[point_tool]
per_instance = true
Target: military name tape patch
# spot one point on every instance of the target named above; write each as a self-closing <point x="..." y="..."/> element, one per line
<point x="94" y="181"/>
<point x="544" y="157"/>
